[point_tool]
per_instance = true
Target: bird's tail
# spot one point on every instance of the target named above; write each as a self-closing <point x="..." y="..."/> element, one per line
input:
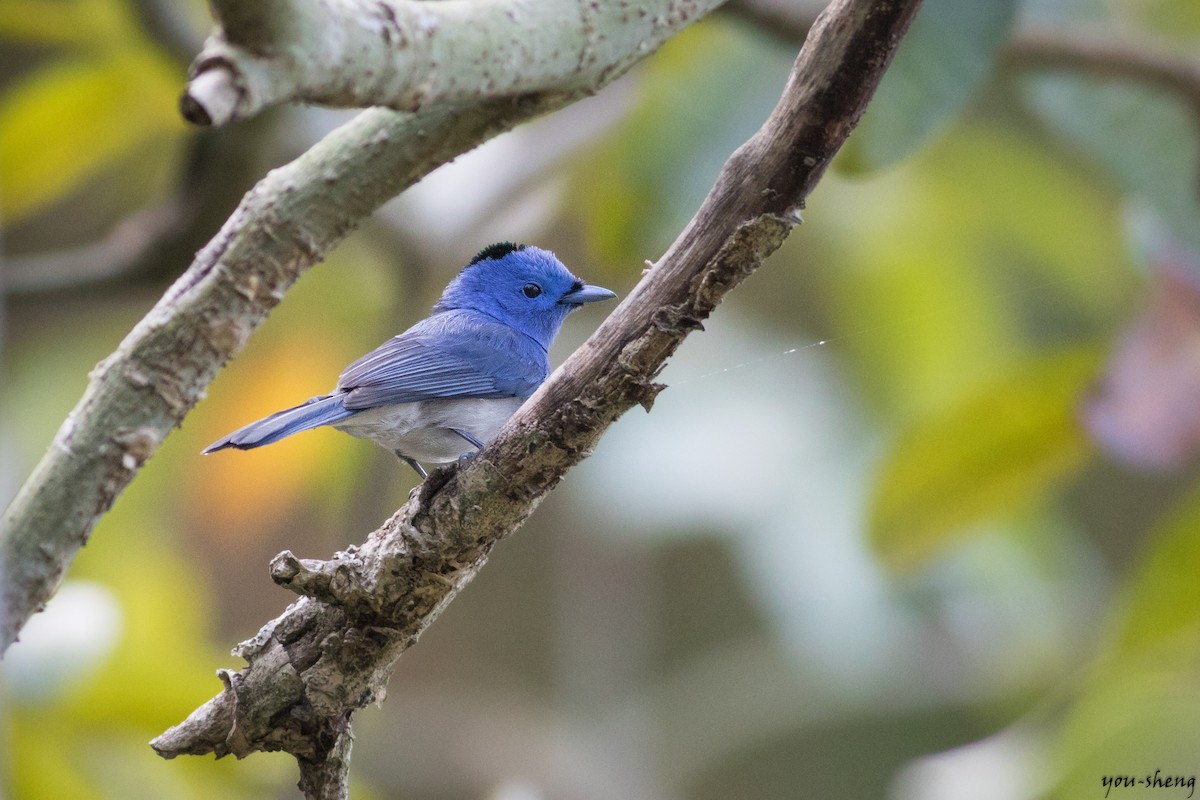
<point x="268" y="430"/>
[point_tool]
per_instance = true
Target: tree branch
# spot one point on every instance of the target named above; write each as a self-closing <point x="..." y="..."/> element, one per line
<point x="142" y="391"/>
<point x="1106" y="56"/>
<point x="282" y="227"/>
<point x="332" y="652"/>
<point x="328" y="775"/>
<point x="218" y="169"/>
<point x="1092" y="52"/>
<point x="405" y="53"/>
<point x="110" y="257"/>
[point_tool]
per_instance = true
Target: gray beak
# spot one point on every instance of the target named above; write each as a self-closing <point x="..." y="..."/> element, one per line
<point x="586" y="294"/>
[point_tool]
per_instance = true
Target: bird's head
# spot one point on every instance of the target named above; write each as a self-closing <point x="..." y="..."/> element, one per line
<point x="522" y="286"/>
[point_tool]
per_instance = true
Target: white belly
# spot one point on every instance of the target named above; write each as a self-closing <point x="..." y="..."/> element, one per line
<point x="422" y="431"/>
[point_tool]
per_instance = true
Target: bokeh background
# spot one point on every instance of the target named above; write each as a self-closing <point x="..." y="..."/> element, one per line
<point x="917" y="517"/>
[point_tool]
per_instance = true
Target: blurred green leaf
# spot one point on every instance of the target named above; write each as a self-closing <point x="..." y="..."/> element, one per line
<point x="1025" y="213"/>
<point x="944" y="57"/>
<point x="1177" y="18"/>
<point x="1162" y="601"/>
<point x="1137" y="707"/>
<point x="91" y="24"/>
<point x="39" y="769"/>
<point x="1134" y="717"/>
<point x="71" y="119"/>
<point x="939" y="325"/>
<point x="1145" y="138"/>
<point x="1006" y="249"/>
<point x="986" y="456"/>
<point x="701" y="96"/>
<point x="56" y="758"/>
<point x="1065" y="12"/>
<point x="28" y="21"/>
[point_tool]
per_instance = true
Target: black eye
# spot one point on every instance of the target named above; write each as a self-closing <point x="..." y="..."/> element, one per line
<point x="531" y="290"/>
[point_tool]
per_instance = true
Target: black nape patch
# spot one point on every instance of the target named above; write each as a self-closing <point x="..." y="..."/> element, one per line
<point x="497" y="250"/>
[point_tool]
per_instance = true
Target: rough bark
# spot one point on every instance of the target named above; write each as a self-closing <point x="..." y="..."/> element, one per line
<point x="332" y="652"/>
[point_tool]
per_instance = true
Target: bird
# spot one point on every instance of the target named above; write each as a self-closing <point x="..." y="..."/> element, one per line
<point x="441" y="390"/>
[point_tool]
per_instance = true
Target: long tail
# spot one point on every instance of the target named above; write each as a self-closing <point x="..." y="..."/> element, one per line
<point x="268" y="430"/>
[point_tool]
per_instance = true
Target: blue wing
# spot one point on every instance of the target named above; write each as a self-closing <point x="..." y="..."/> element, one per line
<point x="451" y="354"/>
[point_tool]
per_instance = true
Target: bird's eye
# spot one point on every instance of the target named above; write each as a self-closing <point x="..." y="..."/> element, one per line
<point x="532" y="290"/>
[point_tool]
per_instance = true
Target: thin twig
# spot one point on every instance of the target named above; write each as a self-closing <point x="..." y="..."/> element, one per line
<point x="150" y="245"/>
<point x="1106" y="56"/>
<point x="1092" y="52"/>
<point x="114" y="256"/>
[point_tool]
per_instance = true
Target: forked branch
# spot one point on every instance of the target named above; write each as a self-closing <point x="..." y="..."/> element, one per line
<point x="333" y="651"/>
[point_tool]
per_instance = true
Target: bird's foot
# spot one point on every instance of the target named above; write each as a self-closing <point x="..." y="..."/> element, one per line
<point x="471" y="439"/>
<point x="412" y="462"/>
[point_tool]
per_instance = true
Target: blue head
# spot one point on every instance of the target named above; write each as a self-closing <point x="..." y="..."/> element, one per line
<point x="524" y="287"/>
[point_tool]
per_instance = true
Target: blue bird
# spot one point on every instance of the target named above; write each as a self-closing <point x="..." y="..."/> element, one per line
<point x="443" y="388"/>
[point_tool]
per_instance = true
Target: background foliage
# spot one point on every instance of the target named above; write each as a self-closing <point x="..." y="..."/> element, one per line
<point x="917" y="517"/>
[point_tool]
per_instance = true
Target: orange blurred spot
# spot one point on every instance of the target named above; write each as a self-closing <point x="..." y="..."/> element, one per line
<point x="243" y="493"/>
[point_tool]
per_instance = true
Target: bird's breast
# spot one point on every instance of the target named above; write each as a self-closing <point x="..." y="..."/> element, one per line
<point x="425" y="430"/>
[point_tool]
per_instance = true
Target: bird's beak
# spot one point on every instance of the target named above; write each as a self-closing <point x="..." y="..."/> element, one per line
<point x="586" y="294"/>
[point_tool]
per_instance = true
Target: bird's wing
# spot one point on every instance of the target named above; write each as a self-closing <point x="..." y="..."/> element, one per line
<point x="442" y="359"/>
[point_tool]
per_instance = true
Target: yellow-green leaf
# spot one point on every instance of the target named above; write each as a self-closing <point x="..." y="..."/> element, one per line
<point x="1162" y="601"/>
<point x="70" y="120"/>
<point x="95" y="25"/>
<point x="1138" y="704"/>
<point x="984" y="457"/>
<point x="946" y="55"/>
<point x="32" y="21"/>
